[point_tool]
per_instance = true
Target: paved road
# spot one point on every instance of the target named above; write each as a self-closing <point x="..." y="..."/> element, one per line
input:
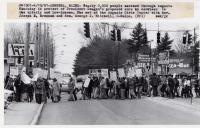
<point x="142" y="111"/>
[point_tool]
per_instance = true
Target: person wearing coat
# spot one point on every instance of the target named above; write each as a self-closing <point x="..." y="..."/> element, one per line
<point x="18" y="87"/>
<point x="154" y="81"/>
<point x="72" y="92"/>
<point x="55" y="90"/>
<point x="39" y="85"/>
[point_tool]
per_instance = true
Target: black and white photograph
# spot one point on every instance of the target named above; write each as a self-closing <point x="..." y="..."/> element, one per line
<point x="102" y="73"/>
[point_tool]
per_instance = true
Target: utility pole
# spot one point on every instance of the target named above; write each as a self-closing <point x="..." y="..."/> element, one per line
<point x="39" y="43"/>
<point x="48" y="49"/>
<point x="26" y="55"/>
<point x="36" y="47"/>
<point x="44" y="47"/>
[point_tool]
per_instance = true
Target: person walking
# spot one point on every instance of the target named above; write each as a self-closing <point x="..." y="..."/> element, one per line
<point x="103" y="88"/>
<point x="30" y="90"/>
<point x="171" y="85"/>
<point x="71" y="86"/>
<point x="55" y="90"/>
<point x="39" y="90"/>
<point x="154" y="83"/>
<point x="18" y="87"/>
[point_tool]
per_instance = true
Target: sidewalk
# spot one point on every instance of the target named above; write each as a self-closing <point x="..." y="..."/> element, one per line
<point x="179" y="103"/>
<point x="21" y="113"/>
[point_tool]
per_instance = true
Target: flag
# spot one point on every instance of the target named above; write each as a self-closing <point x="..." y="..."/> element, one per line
<point x="25" y="78"/>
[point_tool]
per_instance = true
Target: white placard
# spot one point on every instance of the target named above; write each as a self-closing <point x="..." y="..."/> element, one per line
<point x="13" y="71"/>
<point x="121" y="72"/>
<point x="113" y="75"/>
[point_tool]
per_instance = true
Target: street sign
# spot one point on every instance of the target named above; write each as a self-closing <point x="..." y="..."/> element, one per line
<point x="145" y="58"/>
<point x="10" y="60"/>
<point x="19" y="50"/>
<point x="17" y="62"/>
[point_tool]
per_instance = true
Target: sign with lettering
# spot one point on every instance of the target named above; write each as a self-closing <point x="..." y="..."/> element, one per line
<point x="19" y="50"/>
<point x="146" y="58"/>
<point x="163" y="58"/>
<point x="14" y="71"/>
<point x="10" y="60"/>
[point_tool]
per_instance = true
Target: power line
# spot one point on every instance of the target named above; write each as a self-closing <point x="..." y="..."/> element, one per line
<point x="152" y="29"/>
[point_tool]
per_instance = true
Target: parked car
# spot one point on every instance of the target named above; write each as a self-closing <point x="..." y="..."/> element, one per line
<point x="8" y="95"/>
<point x="64" y="84"/>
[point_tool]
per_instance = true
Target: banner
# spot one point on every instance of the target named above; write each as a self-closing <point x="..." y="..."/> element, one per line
<point x="41" y="73"/>
<point x="35" y="77"/>
<point x="25" y="78"/>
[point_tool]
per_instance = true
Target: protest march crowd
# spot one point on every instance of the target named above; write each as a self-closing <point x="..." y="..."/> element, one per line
<point x="94" y="87"/>
<point x="135" y="87"/>
<point x="42" y="88"/>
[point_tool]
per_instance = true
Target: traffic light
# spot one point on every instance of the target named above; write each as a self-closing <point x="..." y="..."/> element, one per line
<point x="184" y="39"/>
<point x="87" y="30"/>
<point x="113" y="35"/>
<point x="158" y="37"/>
<point x="189" y="38"/>
<point x="118" y="35"/>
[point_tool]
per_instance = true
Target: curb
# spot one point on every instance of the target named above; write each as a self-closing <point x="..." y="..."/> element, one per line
<point x="37" y="115"/>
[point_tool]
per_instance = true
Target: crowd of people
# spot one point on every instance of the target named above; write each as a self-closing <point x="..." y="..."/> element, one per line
<point x="42" y="89"/>
<point x="95" y="87"/>
<point x="130" y="88"/>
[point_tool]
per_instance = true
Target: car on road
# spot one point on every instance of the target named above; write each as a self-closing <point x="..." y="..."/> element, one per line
<point x="64" y="84"/>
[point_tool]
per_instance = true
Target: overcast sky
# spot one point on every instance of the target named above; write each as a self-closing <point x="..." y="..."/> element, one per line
<point x="73" y="40"/>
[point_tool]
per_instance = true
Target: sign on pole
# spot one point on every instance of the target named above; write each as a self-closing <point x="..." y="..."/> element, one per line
<point x="163" y="58"/>
<point x="19" y="50"/>
<point x="10" y="60"/>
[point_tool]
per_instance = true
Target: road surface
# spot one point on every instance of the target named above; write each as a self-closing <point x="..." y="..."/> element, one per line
<point x="91" y="112"/>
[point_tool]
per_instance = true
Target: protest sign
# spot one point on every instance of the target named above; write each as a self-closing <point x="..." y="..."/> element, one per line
<point x="113" y="75"/>
<point x="121" y="72"/>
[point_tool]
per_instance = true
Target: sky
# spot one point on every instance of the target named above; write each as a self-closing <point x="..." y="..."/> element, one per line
<point x="73" y="40"/>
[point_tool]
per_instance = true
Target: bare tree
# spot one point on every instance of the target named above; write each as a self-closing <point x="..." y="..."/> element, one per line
<point x="178" y="46"/>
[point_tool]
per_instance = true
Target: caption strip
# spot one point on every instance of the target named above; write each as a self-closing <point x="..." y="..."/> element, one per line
<point x="104" y="10"/>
